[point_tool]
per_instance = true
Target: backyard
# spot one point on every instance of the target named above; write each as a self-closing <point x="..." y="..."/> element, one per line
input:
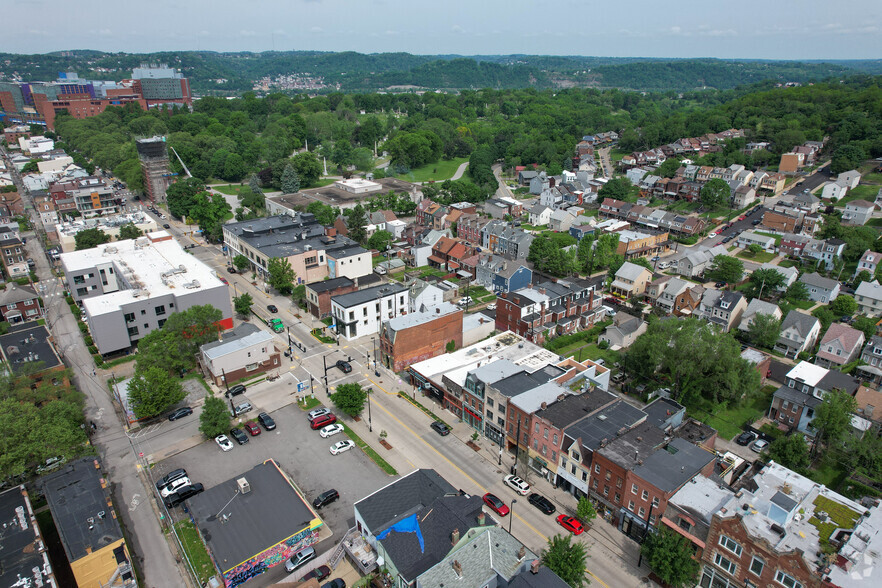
<point x="862" y="192"/>
<point x="730" y="421"/>
<point x="761" y="257"/>
<point x="434" y="172"/>
<point x="195" y="550"/>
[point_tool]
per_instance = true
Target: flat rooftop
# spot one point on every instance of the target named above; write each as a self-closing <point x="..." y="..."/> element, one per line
<point x="702" y="497"/>
<point x="605" y="424"/>
<point x="22" y="553"/>
<point x="28" y="342"/>
<point x="335" y="196"/>
<point x="237" y="527"/>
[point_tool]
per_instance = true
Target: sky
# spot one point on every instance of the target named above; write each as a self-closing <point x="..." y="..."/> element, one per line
<point x="751" y="29"/>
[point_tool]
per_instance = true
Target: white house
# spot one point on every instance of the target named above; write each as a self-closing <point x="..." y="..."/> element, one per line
<point x="834" y="190"/>
<point x="361" y="313"/>
<point x="791" y="274"/>
<point x="869" y="298"/>
<point x="858" y="212"/>
<point x="868" y="262"/>
<point x="748" y="238"/>
<point x="743" y="196"/>
<point x="243" y="351"/>
<point x="539" y="215"/>
<point x="756" y="307"/>
<point x="849" y="179"/>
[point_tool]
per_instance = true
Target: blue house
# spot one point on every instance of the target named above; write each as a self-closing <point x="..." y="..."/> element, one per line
<point x="499" y="274"/>
<point x="580" y="231"/>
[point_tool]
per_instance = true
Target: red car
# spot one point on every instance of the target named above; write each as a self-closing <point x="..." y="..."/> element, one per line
<point x="323" y="420"/>
<point x="570" y="524"/>
<point x="252" y="428"/>
<point x="495" y="504"/>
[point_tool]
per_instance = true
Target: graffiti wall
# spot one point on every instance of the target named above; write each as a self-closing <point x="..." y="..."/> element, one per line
<point x="275" y="555"/>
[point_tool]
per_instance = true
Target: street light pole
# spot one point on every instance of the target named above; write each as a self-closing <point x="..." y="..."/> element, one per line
<point x="511" y="514"/>
<point x="370" y="424"/>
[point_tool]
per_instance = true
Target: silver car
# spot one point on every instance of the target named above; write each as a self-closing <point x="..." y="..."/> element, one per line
<point x="299" y="559"/>
<point x="241" y="408"/>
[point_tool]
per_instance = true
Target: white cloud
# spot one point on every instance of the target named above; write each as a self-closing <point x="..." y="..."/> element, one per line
<point x="457" y="29"/>
<point x="316" y="30"/>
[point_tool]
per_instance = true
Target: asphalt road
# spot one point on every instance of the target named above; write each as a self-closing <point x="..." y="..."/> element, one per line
<point x="811" y="182"/>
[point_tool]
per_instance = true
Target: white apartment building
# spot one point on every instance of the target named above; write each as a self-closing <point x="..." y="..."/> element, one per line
<point x="361" y="313"/>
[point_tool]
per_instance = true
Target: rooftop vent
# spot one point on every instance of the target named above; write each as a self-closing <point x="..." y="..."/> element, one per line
<point x="243" y="485"/>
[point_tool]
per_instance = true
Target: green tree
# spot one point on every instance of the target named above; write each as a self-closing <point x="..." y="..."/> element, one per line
<point x="725" y="268"/>
<point x="380" y="240"/>
<point x="715" y="193"/>
<point x="281" y="275"/>
<point x="254" y="184"/>
<point x="847" y="157"/>
<point x="241" y="263"/>
<point x="764" y="330"/>
<point x="791" y="452"/>
<point x="242" y="304"/>
<point x="215" y="417"/>
<point x="567" y="559"/>
<point x="832" y="418"/>
<point x="862" y="276"/>
<point x="210" y="211"/>
<point x="585" y="510"/>
<point x="324" y="213"/>
<point x="307" y="167"/>
<point x="194" y="327"/>
<point x="357" y="224"/>
<point x="867" y="325"/>
<point x="152" y="390"/>
<point x="755" y="249"/>
<point x="764" y="281"/>
<point x="796" y="292"/>
<point x="30" y="167"/>
<point x="162" y="349"/>
<point x="129" y="231"/>
<point x="669" y="168"/>
<point x="180" y="196"/>
<point x="298" y="296"/>
<point x="290" y="180"/>
<point x="825" y="315"/>
<point x="617" y="188"/>
<point x="350" y="399"/>
<point x="89" y="238"/>
<point x="844" y="305"/>
<point x="671" y="556"/>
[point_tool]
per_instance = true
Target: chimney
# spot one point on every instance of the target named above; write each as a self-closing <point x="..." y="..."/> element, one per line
<point x="534" y="567"/>
<point x="522" y="553"/>
<point x="454" y="537"/>
<point x="457" y="567"/>
<point x="543" y="406"/>
<point x="482" y="518"/>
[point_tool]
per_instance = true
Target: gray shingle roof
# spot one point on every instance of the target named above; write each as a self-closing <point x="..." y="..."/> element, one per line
<point x="803" y="322"/>
<point x="368" y="294"/>
<point x="402" y="497"/>
<point x="818" y="281"/>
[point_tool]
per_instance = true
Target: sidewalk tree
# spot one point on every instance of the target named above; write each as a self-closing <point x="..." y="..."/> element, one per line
<point x="88" y="238"/>
<point x="152" y="390"/>
<point x="215" y="417"/>
<point x="242" y="303"/>
<point x="764" y="330"/>
<point x="585" y="510"/>
<point x="209" y="211"/>
<point x="129" y="231"/>
<point x="241" y="263"/>
<point x="350" y="399"/>
<point x="180" y="196"/>
<point x="567" y="559"/>
<point x="281" y="275"/>
<point x="670" y="556"/>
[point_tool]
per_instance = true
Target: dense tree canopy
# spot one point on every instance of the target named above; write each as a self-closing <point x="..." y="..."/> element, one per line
<point x="88" y="238"/>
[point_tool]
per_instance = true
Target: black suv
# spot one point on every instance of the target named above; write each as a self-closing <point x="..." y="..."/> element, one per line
<point x="239" y="435"/>
<point x="541" y="503"/>
<point x="325" y="498"/>
<point x="235" y="390"/>
<point x="267" y="421"/>
<point x="745" y="438"/>
<point x="441" y="428"/>
<point x="182" y="494"/>
<point x="344" y="366"/>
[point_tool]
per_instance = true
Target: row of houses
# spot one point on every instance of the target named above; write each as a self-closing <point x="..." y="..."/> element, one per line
<point x="652" y="218"/>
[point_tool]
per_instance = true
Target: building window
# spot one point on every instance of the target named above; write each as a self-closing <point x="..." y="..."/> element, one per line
<point x="684" y="524"/>
<point x="79" y="280"/>
<point x="608" y="475"/>
<point x="490" y="402"/>
<point x="584" y="476"/>
<point x="537" y="428"/>
<point x="160" y="322"/>
<point x="642" y="512"/>
<point x="631" y="505"/>
<point x="546" y="434"/>
<point x="606" y="490"/>
<point x="724" y="564"/>
<point x="634" y="489"/>
<point x="594" y="484"/>
<point x="731" y="545"/>
<point x="130" y="317"/>
<point x="756" y="566"/>
<point x="160" y="310"/>
<point x="786" y="580"/>
<point x="554" y="438"/>
<point x="597" y="468"/>
<point x="645" y="495"/>
<point x="133" y="331"/>
<point x="81" y="291"/>
<point x="655" y="502"/>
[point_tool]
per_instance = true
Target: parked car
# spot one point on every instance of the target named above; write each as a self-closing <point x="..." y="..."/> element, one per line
<point x="517" y="484"/>
<point x="223" y="442"/>
<point x="171" y="477"/>
<point x="166" y="226"/>
<point x="239" y="435"/>
<point x="182" y="494"/>
<point x="325" y="498"/>
<point x="335" y="583"/>
<point x="267" y="421"/>
<point x="720" y="285"/>
<point x="317" y="412"/>
<point x="173" y="486"/>
<point x="745" y="438"/>
<point x="491" y="306"/>
<point x="180" y="413"/>
<point x="712" y="235"/>
<point x="235" y="390"/>
<point x="341" y="446"/>
<point x="53" y="463"/>
<point x="272" y="308"/>
<point x="252" y="428"/>
<point x="299" y="559"/>
<point x="759" y="445"/>
<point x="241" y="408"/>
<point x="323" y="421"/>
<point x="343" y="366"/>
<point x="542" y="503"/>
<point x="496" y="504"/>
<point x="571" y="524"/>
<point x="331" y="430"/>
<point x="320" y="573"/>
<point x="440" y="428"/>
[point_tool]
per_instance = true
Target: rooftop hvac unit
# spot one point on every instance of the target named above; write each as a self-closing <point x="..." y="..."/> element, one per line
<point x="244" y="486"/>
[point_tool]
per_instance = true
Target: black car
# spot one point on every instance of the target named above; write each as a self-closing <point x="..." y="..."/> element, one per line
<point x="335" y="583"/>
<point x="180" y="413"/>
<point x="166" y="226"/>
<point x="267" y="421"/>
<point x="231" y="269"/>
<point x="235" y="390"/>
<point x="441" y="428"/>
<point x="755" y="222"/>
<point x="344" y="366"/>
<point x="239" y="435"/>
<point x="541" y="503"/>
<point x="325" y="498"/>
<point x="182" y="494"/>
<point x="720" y="285"/>
<point x="272" y="308"/>
<point x="170" y="477"/>
<point x="745" y="438"/>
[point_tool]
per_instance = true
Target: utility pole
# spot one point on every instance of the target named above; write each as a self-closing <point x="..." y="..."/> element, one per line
<point x="645" y="533"/>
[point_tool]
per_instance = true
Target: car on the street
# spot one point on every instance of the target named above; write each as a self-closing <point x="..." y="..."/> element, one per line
<point x="343" y="366"/>
<point x="571" y="524"/>
<point x="331" y="430"/>
<point x="166" y="226"/>
<point x="239" y="435"/>
<point x="182" y="494"/>
<point x="180" y="413"/>
<point x="267" y="421"/>
<point x="756" y="221"/>
<point x="323" y="421"/>
<point x="317" y="412"/>
<point x="299" y="559"/>
<point x="745" y="438"/>
<point x="712" y="235"/>
<point x="335" y="583"/>
<point x="759" y="445"/>
<point x="235" y="390"/>
<point x="320" y="573"/>
<point x="440" y="428"/>
<point x="654" y="259"/>
<point x="223" y="442"/>
<point x="496" y="504"/>
<point x="618" y="377"/>
<point x="252" y="428"/>
<point x="223" y="280"/>
<point x="542" y="503"/>
<point x="173" y="486"/>
<point x="276" y="325"/>
<point x="491" y="306"/>
<point x="272" y="308"/>
<point x="341" y="446"/>
<point x="325" y="498"/>
<point x="171" y="477"/>
<point x="231" y="269"/>
<point x="241" y="408"/>
<point x="517" y="484"/>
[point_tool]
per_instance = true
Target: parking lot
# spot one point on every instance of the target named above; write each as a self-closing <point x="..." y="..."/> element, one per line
<point x="302" y="453"/>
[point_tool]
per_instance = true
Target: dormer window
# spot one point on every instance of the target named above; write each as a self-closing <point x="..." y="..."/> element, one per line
<point x="724" y="304"/>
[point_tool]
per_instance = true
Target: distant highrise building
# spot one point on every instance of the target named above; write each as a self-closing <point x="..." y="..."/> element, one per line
<point x="153" y="153"/>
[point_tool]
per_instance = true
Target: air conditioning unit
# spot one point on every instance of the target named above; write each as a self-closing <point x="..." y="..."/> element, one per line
<point x="244" y="486"/>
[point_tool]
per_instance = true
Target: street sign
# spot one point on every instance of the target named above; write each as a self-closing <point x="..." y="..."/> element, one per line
<point x="301" y="386"/>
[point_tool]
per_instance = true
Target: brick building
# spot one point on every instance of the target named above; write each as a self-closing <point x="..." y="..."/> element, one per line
<point x="549" y="309"/>
<point x="318" y="295"/>
<point x="420" y="335"/>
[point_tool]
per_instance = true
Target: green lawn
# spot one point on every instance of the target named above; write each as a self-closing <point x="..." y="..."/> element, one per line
<point x="761" y="257"/>
<point x="617" y="154"/>
<point x="730" y="421"/>
<point x="872" y="178"/>
<point x="438" y="172"/>
<point x="787" y="263"/>
<point x="195" y="549"/>
<point x="594" y="352"/>
<point x="874" y="222"/>
<point x="862" y="192"/>
<point x="228" y="189"/>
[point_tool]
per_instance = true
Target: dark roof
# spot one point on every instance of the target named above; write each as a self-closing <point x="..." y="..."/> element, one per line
<point x="347" y="251"/>
<point x="563" y="413"/>
<point x="669" y="468"/>
<point x="402" y="497"/>
<point x="839" y="381"/>
<point x="26" y="342"/>
<point x="543" y="578"/>
<point x="21" y="550"/>
<point x="694" y="431"/>
<point x="635" y="445"/>
<point x="522" y="381"/>
<point x="326" y="285"/>
<point x="660" y="410"/>
<point x="605" y="424"/>
<point x="79" y="498"/>
<point x="367" y="295"/>
<point x="270" y="513"/>
<point x="778" y="371"/>
<point x="796" y="396"/>
<point x="436" y="522"/>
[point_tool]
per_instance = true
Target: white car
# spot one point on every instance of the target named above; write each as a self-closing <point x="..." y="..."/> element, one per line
<point x="331" y="430"/>
<point x="519" y="485"/>
<point x="341" y="446"/>
<point x="712" y="235"/>
<point x="491" y="306"/>
<point x="223" y="442"/>
<point x="173" y="487"/>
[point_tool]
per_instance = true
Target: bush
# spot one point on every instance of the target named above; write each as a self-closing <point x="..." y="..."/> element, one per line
<point x="603" y="344"/>
<point x="83" y="328"/>
<point x="70" y="300"/>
